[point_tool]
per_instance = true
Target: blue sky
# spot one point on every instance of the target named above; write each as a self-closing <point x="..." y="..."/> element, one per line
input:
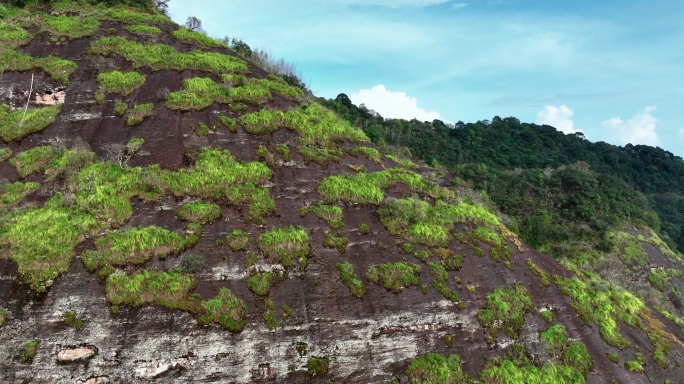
<point x="611" y="69"/>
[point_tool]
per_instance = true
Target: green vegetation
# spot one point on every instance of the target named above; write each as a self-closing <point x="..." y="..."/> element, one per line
<point x="238" y="240"/>
<point x="394" y="276"/>
<point x="505" y="310"/>
<point x="332" y="241"/>
<point x="133" y="16"/>
<point x="3" y="317"/>
<point x="71" y="27"/>
<point x="34" y="160"/>
<point x="260" y="282"/>
<point x="5" y="153"/>
<point x="371" y="153"/>
<point x="14" y="192"/>
<point x="228" y="122"/>
<point x="120" y="107"/>
<point x="542" y="275"/>
<point x="197" y="93"/>
<point x="170" y="289"/>
<point x="159" y="57"/>
<point x="13" y="35"/>
<point x="634" y="366"/>
<point x="17" y="124"/>
<point x="192" y="263"/>
<point x="284" y="151"/>
<point x="262" y="122"/>
<point x="349" y="277"/>
<point x="199" y="212"/>
<point x="629" y="249"/>
<point x="123" y="83"/>
<point x="72" y="318"/>
<point x="603" y="305"/>
<point x="507" y="371"/>
<point x="144" y="30"/>
<point x="226" y="310"/>
<point x="548" y="316"/>
<point x="367" y="188"/>
<point x="612" y="356"/>
<point x="554" y="339"/>
<point x="287" y="244"/>
<point x="435" y="368"/>
<point x="441" y="277"/>
<point x="30" y="350"/>
<point x="135" y="246"/>
<point x="317" y="366"/>
<point x="191" y="37"/>
<point x="269" y="315"/>
<point x="418" y="222"/>
<point x="58" y="69"/>
<point x="658" y="278"/>
<point x="139" y="113"/>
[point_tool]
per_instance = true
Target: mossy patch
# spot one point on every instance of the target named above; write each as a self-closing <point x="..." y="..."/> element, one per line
<point x="167" y="288"/>
<point x="123" y="83"/>
<point x="225" y="309"/>
<point x="437" y="368"/>
<point x="348" y="275"/>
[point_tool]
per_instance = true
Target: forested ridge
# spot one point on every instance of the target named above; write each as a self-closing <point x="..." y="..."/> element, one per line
<point x="562" y="191"/>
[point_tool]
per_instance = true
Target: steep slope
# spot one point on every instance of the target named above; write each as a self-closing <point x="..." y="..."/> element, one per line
<point x="171" y="212"/>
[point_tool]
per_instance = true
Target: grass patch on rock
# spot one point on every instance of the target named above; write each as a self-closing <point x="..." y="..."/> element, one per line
<point x="199" y="212"/>
<point x="225" y="309"/>
<point x="395" y="276"/>
<point x="348" y="275"/>
<point x="164" y="57"/>
<point x="437" y="368"/>
<point x="123" y="83"/>
<point x="139" y="113"/>
<point x="170" y="289"/>
<point x="143" y="30"/>
<point x="286" y="244"/>
<point x="17" y="124"/>
<point x="505" y="311"/>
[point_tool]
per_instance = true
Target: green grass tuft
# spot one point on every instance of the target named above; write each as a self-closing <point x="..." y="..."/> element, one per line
<point x="199" y="212"/>
<point x="57" y="68"/>
<point x="317" y="366"/>
<point x="72" y="27"/>
<point x="197" y="93"/>
<point x="135" y="246"/>
<point x="14" y="192"/>
<point x="238" y="240"/>
<point x="123" y="83"/>
<point x="225" y="309"/>
<point x="505" y="310"/>
<point x="170" y="289"/>
<point x="15" y="124"/>
<point x="394" y="276"/>
<point x="349" y="277"/>
<point x="144" y="30"/>
<point x="437" y="368"/>
<point x="163" y="57"/>
<point x="139" y="113"/>
<point x="192" y="37"/>
<point x="286" y="244"/>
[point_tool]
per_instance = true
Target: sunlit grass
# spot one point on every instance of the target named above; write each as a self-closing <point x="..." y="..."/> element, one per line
<point x="123" y="83"/>
<point x="286" y="244"/>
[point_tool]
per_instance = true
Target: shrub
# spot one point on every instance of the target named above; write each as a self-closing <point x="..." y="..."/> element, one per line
<point x="348" y="276"/>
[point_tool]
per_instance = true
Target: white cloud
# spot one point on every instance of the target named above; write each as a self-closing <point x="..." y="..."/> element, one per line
<point x="557" y="117"/>
<point x="639" y="129"/>
<point x="459" y="5"/>
<point x="389" y="104"/>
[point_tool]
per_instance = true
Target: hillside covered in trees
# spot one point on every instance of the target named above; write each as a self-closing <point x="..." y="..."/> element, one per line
<point x="556" y="187"/>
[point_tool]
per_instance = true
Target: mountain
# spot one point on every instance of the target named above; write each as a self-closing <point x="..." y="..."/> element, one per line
<point x="172" y="212"/>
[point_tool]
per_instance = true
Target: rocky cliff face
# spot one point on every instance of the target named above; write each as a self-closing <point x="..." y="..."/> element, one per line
<point x="171" y="213"/>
